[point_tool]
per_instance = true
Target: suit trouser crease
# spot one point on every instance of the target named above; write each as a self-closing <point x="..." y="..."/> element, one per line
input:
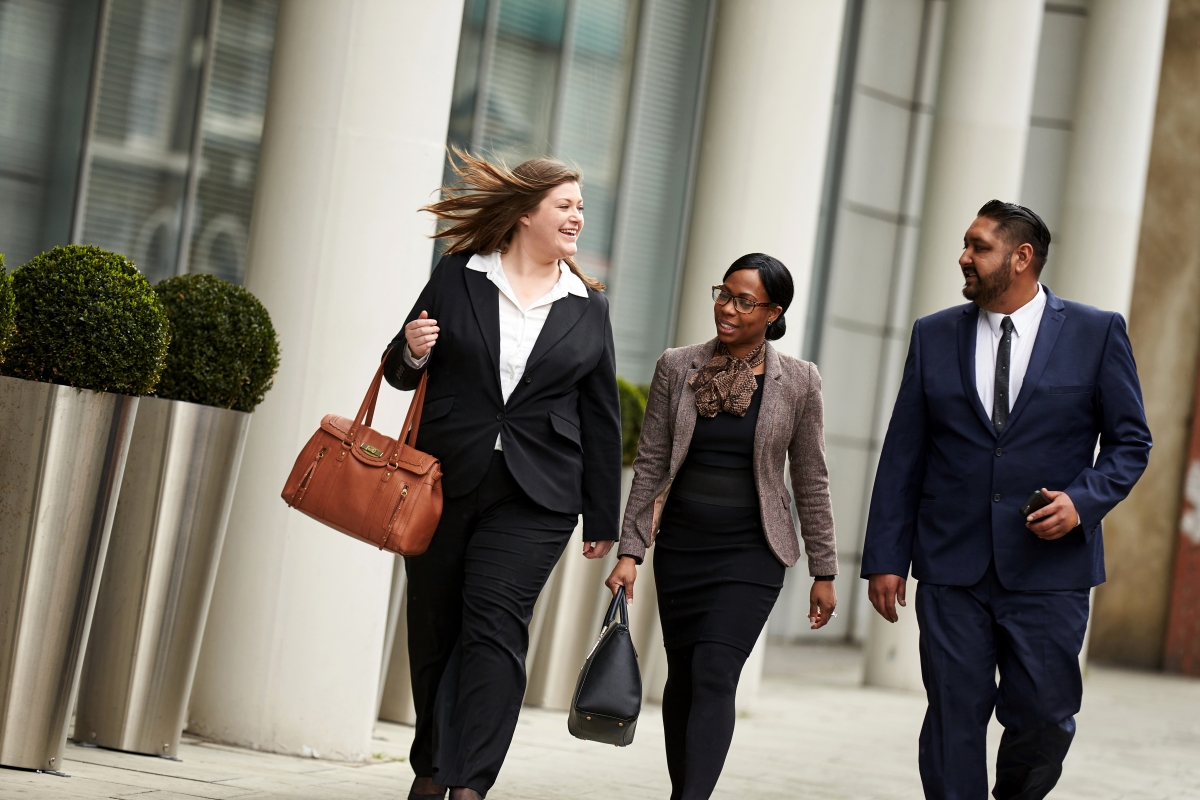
<point x="470" y="600"/>
<point x="1034" y="638"/>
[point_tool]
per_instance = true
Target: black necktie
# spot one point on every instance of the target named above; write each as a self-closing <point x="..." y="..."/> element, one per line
<point x="1000" y="396"/>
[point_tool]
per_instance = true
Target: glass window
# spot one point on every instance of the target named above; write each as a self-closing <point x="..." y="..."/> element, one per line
<point x="46" y="53"/>
<point x="172" y="159"/>
<point x="231" y="130"/>
<point x="654" y="204"/>
<point x="589" y="124"/>
<point x="542" y="77"/>
<point x="141" y="147"/>
<point x="613" y="86"/>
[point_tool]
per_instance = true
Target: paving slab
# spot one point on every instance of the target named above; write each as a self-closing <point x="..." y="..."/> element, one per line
<point x="814" y="732"/>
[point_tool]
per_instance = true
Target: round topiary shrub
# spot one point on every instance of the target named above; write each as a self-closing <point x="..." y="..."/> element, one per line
<point x="224" y="351"/>
<point x="8" y="308"/>
<point x="86" y="318"/>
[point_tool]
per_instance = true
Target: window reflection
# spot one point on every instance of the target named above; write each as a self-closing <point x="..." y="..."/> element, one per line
<point x="550" y="77"/>
<point x="140" y="154"/>
<point x="151" y="193"/>
<point x="46" y="55"/>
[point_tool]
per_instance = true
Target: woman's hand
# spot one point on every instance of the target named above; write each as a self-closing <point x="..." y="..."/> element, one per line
<point x="623" y="574"/>
<point x="421" y="335"/>
<point x="822" y="600"/>
<point x="596" y="549"/>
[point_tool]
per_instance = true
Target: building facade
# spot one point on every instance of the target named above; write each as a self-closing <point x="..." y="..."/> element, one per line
<point x="286" y="145"/>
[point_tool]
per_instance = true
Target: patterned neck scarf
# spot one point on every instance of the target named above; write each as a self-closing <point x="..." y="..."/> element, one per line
<point x="726" y="383"/>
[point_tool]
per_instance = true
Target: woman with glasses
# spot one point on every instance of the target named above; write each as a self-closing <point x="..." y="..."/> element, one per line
<point x="722" y="419"/>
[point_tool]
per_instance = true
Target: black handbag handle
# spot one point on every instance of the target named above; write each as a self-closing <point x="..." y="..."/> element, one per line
<point x="615" y="608"/>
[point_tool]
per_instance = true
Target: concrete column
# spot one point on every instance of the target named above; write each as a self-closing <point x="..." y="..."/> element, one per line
<point x="762" y="152"/>
<point x="1110" y="152"/>
<point x="1141" y="534"/>
<point x="353" y="145"/>
<point x="760" y="175"/>
<point x="981" y="124"/>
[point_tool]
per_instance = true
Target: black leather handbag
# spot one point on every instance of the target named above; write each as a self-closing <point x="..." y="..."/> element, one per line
<point x="608" y="694"/>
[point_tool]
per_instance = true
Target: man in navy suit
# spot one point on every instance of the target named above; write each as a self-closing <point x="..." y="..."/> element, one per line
<point x="1002" y="397"/>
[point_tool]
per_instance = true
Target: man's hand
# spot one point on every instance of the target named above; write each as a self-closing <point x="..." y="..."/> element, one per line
<point x="1055" y="520"/>
<point x="885" y="591"/>
<point x="597" y="549"/>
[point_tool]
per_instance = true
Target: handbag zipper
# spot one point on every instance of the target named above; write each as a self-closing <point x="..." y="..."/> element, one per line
<point x="307" y="478"/>
<point x="395" y="515"/>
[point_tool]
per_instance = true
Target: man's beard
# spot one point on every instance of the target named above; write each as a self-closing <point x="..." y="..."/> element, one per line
<point x="988" y="289"/>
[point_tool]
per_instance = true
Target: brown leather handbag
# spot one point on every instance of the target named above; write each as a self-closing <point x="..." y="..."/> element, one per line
<point x="358" y="481"/>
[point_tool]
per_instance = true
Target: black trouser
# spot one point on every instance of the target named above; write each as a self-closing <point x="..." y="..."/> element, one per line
<point x="1034" y="638"/>
<point x="698" y="714"/>
<point x="470" y="598"/>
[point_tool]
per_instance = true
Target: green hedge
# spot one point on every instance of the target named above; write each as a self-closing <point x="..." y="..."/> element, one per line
<point x="633" y="410"/>
<point x="86" y="318"/>
<point x="224" y="351"/>
<point x="8" y="308"/>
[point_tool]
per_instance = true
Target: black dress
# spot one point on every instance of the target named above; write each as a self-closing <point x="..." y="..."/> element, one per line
<point x="716" y="577"/>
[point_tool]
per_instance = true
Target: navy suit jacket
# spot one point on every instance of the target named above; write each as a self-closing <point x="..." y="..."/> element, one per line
<point x="948" y="490"/>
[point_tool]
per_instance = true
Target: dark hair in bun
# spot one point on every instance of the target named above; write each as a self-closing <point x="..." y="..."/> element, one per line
<point x="776" y="279"/>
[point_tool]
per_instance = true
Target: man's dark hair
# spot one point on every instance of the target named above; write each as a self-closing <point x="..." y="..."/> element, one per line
<point x="1019" y="225"/>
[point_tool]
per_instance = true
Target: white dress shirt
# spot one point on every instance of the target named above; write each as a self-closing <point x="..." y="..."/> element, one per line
<point x="1026" y="321"/>
<point x="519" y="328"/>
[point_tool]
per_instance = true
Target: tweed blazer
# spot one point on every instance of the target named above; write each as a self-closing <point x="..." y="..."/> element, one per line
<point x="790" y="425"/>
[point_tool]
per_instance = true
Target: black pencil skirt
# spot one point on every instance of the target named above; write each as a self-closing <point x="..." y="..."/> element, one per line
<point x="716" y="577"/>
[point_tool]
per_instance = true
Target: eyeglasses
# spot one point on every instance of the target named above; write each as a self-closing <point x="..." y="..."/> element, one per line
<point x="744" y="305"/>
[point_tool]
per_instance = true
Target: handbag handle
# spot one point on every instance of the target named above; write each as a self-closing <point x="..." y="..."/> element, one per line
<point x="617" y="608"/>
<point x="412" y="420"/>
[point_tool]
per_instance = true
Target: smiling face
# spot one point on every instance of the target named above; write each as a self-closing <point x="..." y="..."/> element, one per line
<point x="551" y="231"/>
<point x="740" y="332"/>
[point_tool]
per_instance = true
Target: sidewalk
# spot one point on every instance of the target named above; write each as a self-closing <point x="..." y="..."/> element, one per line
<point x="814" y="733"/>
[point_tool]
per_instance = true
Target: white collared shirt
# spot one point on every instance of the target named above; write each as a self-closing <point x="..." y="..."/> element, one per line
<point x="519" y="328"/>
<point x="1026" y="321"/>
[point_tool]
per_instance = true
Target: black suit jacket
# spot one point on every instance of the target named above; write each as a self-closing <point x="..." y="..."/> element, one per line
<point x="561" y="426"/>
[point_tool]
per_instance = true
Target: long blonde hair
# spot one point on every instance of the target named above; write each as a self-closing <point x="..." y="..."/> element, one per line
<point x="486" y="200"/>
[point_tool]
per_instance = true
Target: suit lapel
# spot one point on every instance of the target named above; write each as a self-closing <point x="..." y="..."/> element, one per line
<point x="685" y="413"/>
<point x="968" y="329"/>
<point x="770" y="409"/>
<point x="564" y="313"/>
<point x="1048" y="330"/>
<point x="485" y="301"/>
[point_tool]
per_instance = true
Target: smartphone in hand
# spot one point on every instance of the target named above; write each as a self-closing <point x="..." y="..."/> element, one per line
<point x="1036" y="500"/>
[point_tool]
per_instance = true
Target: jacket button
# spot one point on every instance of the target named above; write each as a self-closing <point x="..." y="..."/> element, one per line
<point x="996" y="498"/>
<point x="500" y="416"/>
<point x="999" y="451"/>
<point x="529" y="380"/>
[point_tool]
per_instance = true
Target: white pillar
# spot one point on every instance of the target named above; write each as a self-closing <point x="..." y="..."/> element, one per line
<point x="760" y="175"/>
<point x="353" y="144"/>
<point x="981" y="125"/>
<point x="1110" y="151"/>
<point x="892" y="657"/>
<point x="762" y="154"/>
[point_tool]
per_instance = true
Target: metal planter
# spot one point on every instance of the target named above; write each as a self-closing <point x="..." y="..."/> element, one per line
<point x="158" y="578"/>
<point x="63" y="452"/>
